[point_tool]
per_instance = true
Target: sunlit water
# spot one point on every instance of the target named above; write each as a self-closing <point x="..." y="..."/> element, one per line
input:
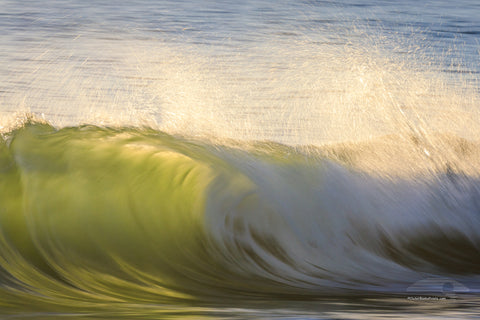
<point x="239" y="160"/>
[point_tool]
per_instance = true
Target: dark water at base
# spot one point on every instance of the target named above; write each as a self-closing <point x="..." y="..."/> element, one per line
<point x="411" y="307"/>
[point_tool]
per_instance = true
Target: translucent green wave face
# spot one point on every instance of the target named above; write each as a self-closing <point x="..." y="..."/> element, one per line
<point x="93" y="214"/>
<point x="112" y="213"/>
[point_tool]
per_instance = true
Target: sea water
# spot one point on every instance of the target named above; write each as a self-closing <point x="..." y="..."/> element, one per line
<point x="239" y="160"/>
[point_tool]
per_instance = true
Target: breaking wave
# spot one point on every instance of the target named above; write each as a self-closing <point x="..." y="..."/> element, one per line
<point x="91" y="214"/>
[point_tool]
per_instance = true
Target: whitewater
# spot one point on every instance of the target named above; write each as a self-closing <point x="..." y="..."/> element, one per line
<point x="229" y="160"/>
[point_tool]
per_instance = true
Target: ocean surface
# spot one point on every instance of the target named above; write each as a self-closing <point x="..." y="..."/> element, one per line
<point x="239" y="159"/>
